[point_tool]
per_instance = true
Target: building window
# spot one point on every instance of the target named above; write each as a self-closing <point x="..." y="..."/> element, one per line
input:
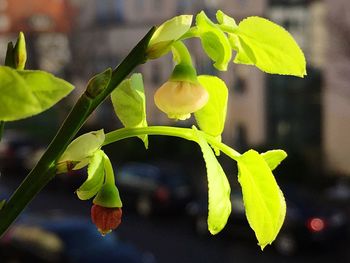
<point x="240" y="85"/>
<point x="110" y="11"/>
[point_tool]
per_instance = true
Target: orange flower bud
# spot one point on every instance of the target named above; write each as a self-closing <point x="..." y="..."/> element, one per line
<point x="106" y="219"/>
<point x="178" y="99"/>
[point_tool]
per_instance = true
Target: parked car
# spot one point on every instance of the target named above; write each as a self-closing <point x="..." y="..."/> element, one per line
<point x="307" y="222"/>
<point x="65" y="239"/>
<point x="154" y="188"/>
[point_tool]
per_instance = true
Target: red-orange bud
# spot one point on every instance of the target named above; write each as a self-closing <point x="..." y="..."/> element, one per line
<point x="106" y="219"/>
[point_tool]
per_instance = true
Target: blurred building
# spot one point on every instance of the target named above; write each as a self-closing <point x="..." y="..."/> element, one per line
<point x="78" y="38"/>
<point x="46" y="24"/>
<point x="336" y="96"/>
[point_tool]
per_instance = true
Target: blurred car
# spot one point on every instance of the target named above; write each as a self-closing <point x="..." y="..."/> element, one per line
<point x="154" y="188"/>
<point x="64" y="239"/>
<point x="18" y="153"/>
<point x="308" y="222"/>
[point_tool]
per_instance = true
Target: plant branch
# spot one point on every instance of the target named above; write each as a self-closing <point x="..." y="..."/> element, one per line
<point x="185" y="133"/>
<point x="44" y="171"/>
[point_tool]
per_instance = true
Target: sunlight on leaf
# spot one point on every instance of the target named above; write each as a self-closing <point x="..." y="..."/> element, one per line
<point x="269" y="47"/>
<point x="129" y="103"/>
<point x="25" y="93"/>
<point x="263" y="200"/>
<point x="214" y="41"/>
<point x="219" y="203"/>
<point x="211" y="118"/>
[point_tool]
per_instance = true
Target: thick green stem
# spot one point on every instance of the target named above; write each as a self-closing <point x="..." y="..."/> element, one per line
<point x="44" y="171"/>
<point x="185" y="133"/>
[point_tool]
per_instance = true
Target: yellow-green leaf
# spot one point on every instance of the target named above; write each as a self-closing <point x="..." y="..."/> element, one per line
<point x="268" y="46"/>
<point x="129" y="103"/>
<point x="263" y="200"/>
<point x="274" y="157"/>
<point x="214" y="41"/>
<point x="211" y="118"/>
<point x="95" y="177"/>
<point x="167" y="33"/>
<point x="219" y="203"/>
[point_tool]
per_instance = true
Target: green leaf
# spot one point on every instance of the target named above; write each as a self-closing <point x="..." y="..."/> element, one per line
<point x="95" y="178"/>
<point x="214" y="41"/>
<point x="268" y="46"/>
<point x="129" y="104"/>
<point x="264" y="202"/>
<point x="27" y="92"/>
<point x="274" y="157"/>
<point x="166" y="34"/>
<point x="219" y="203"/>
<point x="226" y="20"/>
<point x="211" y="118"/>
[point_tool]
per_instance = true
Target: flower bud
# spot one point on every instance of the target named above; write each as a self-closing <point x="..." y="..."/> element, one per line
<point x="79" y="151"/>
<point x="106" y="219"/>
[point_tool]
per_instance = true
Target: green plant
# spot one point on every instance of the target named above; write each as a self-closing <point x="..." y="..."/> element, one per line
<point x="255" y="40"/>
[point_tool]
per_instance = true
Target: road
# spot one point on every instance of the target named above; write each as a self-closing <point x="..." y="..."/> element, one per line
<point x="172" y="239"/>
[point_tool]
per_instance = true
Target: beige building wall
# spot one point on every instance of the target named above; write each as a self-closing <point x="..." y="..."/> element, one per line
<point x="336" y="99"/>
<point x="245" y="109"/>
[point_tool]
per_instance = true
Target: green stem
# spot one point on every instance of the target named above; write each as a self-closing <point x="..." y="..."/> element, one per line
<point x="228" y="29"/>
<point x="185" y="133"/>
<point x="109" y="170"/>
<point x="44" y="171"/>
<point x="181" y="53"/>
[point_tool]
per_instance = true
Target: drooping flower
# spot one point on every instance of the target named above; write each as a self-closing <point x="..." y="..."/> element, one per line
<point x="178" y="99"/>
<point x="182" y="94"/>
<point x="106" y="219"/>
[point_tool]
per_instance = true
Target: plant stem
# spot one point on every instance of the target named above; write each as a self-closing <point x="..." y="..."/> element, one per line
<point x="44" y="171"/>
<point x="185" y="133"/>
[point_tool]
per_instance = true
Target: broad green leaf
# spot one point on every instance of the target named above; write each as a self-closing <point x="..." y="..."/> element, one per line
<point x="83" y="147"/>
<point x="211" y="118"/>
<point x="17" y="100"/>
<point x="214" y="41"/>
<point x="95" y="177"/>
<point x="219" y="203"/>
<point x="166" y="34"/>
<point x="263" y="200"/>
<point x="224" y="19"/>
<point x="268" y="46"/>
<point x="129" y="104"/>
<point x="274" y="157"/>
<point x="25" y="93"/>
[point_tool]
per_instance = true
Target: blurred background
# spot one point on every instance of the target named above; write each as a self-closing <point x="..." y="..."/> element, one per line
<point x="164" y="188"/>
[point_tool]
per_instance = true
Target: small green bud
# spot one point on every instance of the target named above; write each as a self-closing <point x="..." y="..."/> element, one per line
<point x="108" y="196"/>
<point x="20" y="52"/>
<point x="98" y="83"/>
